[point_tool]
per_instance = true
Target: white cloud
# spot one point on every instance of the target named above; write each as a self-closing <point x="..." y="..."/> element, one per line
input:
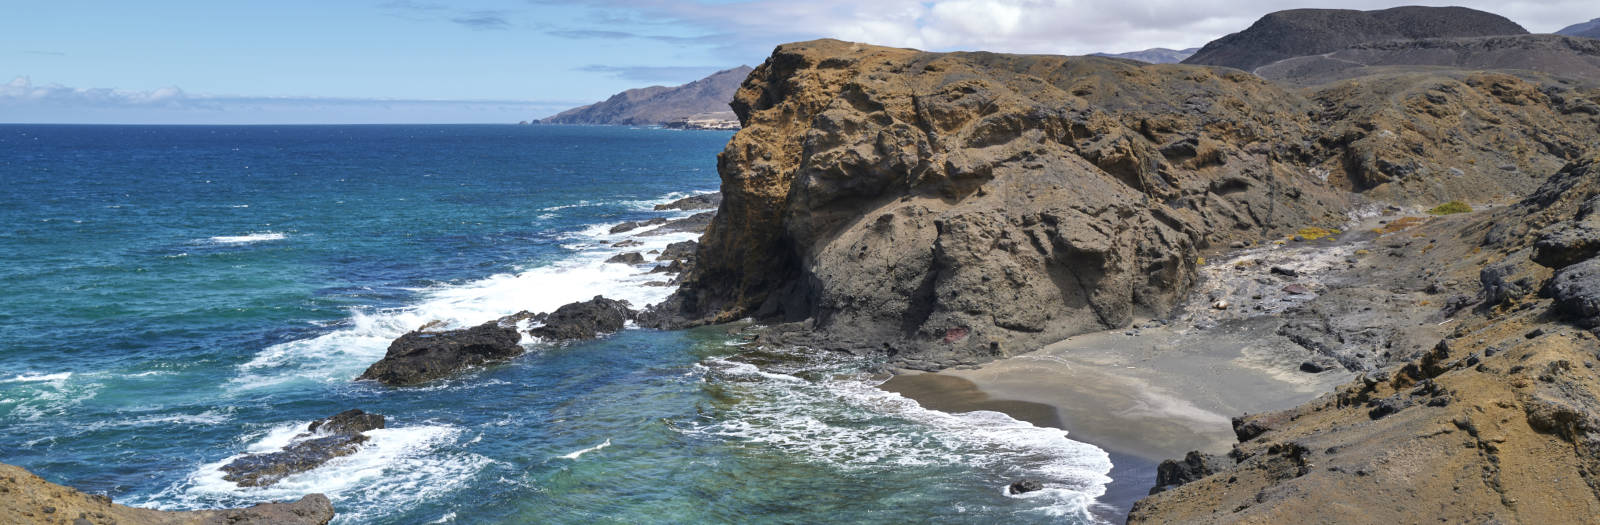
<point x="748" y="29"/>
<point x="23" y="90"/>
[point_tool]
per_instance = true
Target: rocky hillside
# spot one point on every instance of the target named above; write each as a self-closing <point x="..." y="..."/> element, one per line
<point x="949" y="208"/>
<point x="1301" y="32"/>
<point x="1155" y="55"/>
<point x="1496" y="423"/>
<point x="659" y="105"/>
<point x="1560" y="56"/>
<point x="1590" y="29"/>
<point x="30" y="499"/>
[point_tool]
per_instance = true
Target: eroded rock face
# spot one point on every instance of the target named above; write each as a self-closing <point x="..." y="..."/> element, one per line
<point x="419" y="357"/>
<point x="584" y="320"/>
<point x="949" y="208"/>
<point x="26" y="498"/>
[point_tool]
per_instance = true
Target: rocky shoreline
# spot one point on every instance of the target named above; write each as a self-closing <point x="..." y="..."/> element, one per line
<point x="30" y="499"/>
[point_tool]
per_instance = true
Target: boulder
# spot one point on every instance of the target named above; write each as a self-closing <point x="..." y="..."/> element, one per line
<point x="584" y="320"/>
<point x="1024" y="486"/>
<point x="1172" y="473"/>
<point x="1566" y="244"/>
<point x="627" y="258"/>
<point x="708" y="201"/>
<point x="674" y="267"/>
<point x="678" y="251"/>
<point x="1576" y="290"/>
<point x="424" y="356"/>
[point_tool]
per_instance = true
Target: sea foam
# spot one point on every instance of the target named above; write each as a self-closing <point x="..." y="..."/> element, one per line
<point x="248" y="238"/>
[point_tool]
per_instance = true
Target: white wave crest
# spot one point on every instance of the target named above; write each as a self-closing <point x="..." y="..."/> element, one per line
<point x="248" y="238"/>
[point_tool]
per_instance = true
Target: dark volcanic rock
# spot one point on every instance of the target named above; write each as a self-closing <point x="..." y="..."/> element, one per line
<point x="634" y="225"/>
<point x="706" y="201"/>
<point x="340" y="435"/>
<point x="1024" y="486"/>
<point x="627" y="258"/>
<point x="1172" y="473"/>
<point x="260" y="470"/>
<point x="584" y="320"/>
<point x="692" y="224"/>
<point x="353" y="421"/>
<point x="423" y="356"/>
<point x="1301" y="32"/>
<point x="1576" y="290"/>
<point x="678" y="251"/>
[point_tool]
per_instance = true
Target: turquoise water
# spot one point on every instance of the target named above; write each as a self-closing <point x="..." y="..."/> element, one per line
<point x="174" y="297"/>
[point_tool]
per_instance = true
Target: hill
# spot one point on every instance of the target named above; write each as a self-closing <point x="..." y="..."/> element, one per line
<point x="703" y="99"/>
<point x="1590" y="29"/>
<point x="1154" y="55"/>
<point x="1300" y="32"/>
<point x="1555" y="55"/>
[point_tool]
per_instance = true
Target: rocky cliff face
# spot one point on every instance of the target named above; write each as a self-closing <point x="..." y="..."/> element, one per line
<point x="29" y="499"/>
<point x="1301" y="32"/>
<point x="948" y="208"/>
<point x="660" y="105"/>
<point x="1495" y="424"/>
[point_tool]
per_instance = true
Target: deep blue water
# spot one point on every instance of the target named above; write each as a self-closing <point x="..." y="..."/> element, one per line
<point x="173" y="297"/>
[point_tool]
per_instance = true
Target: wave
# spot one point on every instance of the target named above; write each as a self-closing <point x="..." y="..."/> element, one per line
<point x="34" y="378"/>
<point x="342" y="354"/>
<point x="845" y="421"/>
<point x="248" y="238"/>
<point x="397" y="468"/>
<point x="574" y="455"/>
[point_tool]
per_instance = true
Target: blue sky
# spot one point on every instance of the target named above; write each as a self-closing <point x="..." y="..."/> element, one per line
<point x="295" y="61"/>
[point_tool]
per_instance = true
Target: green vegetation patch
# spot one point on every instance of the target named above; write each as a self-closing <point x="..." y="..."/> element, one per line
<point x="1451" y="207"/>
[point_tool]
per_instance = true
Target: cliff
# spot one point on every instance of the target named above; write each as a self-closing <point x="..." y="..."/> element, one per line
<point x="29" y="499"/>
<point x="950" y="208"/>
<point x="1301" y="32"/>
<point x="706" y="98"/>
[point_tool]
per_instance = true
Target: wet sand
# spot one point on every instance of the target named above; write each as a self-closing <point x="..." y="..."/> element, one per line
<point x="1142" y="398"/>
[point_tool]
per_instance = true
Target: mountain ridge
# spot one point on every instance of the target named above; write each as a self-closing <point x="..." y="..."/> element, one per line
<point x="706" y="98"/>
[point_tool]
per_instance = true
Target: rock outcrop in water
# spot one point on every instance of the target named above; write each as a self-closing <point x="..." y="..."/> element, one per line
<point x="584" y="320"/>
<point x="1301" y="32"/>
<point x="325" y="439"/>
<point x="423" y="356"/>
<point x="27" y="499"/>
<point x="948" y="208"/>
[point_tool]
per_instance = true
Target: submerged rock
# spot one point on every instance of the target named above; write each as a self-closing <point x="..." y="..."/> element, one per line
<point x="325" y="439"/>
<point x="424" y="356"/>
<point x="584" y="320"/>
<point x="1024" y="486"/>
<point x="634" y="225"/>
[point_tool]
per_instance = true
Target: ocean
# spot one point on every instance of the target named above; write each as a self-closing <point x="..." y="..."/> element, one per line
<point x="172" y="297"/>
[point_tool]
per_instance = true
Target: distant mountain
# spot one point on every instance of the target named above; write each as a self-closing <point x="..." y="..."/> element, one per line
<point x="1154" y="55"/>
<point x="1590" y="29"/>
<point x="704" y="99"/>
<point x="1556" y="55"/>
<point x="1301" y="32"/>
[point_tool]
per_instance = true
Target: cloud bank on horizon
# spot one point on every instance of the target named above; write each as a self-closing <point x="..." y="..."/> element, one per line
<point x="508" y="60"/>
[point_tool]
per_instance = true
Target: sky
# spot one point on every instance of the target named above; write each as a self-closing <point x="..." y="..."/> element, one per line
<point x="422" y="61"/>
